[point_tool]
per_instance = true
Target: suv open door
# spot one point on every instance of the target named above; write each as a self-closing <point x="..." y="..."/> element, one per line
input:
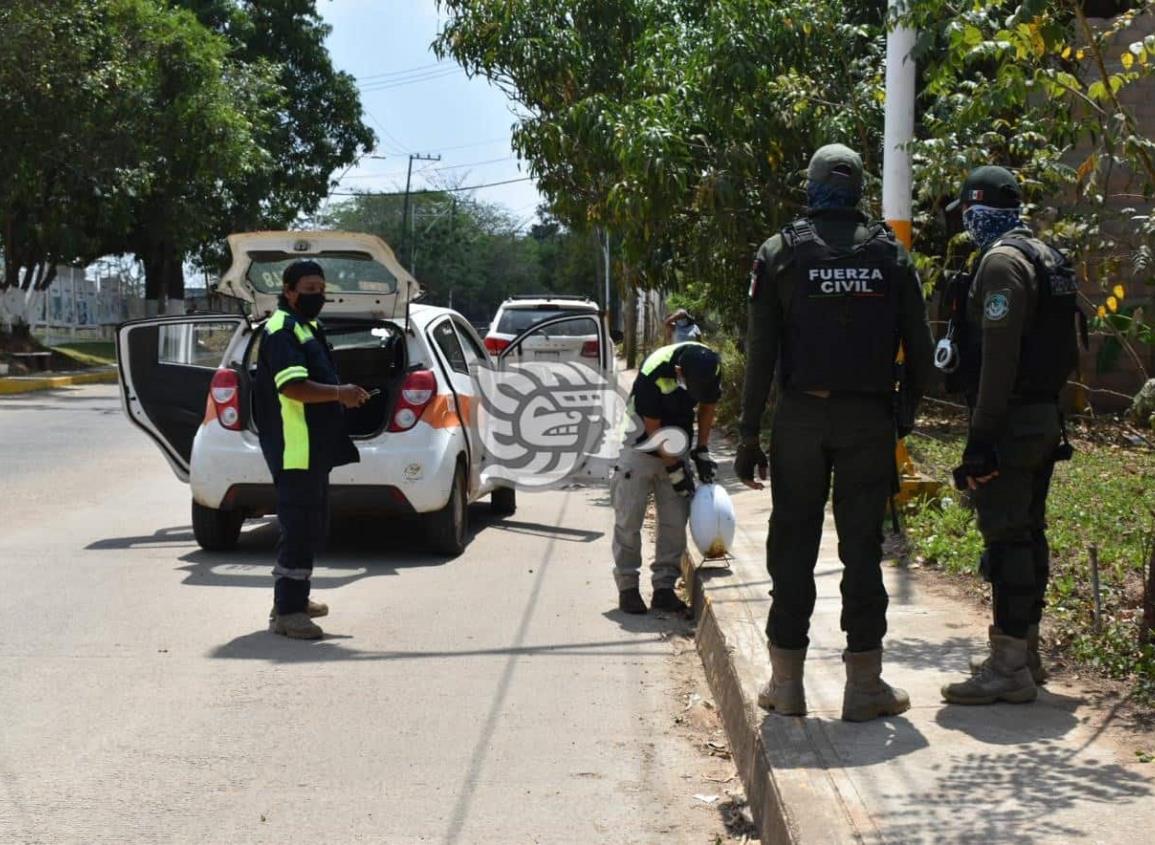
<point x="573" y="410"/>
<point x="166" y="366"/>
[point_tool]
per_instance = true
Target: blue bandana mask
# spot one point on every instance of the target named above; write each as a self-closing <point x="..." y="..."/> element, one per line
<point x="986" y="225"/>
<point x="820" y="195"/>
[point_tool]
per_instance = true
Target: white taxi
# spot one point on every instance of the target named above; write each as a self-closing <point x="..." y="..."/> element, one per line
<point x="187" y="382"/>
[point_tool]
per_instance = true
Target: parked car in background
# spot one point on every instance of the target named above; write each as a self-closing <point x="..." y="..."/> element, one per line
<point x="568" y="340"/>
<point x="187" y="382"/>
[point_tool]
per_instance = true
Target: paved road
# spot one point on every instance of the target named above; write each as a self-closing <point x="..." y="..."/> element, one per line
<point x="496" y="698"/>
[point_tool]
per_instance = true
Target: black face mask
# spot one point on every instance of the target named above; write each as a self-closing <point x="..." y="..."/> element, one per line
<point x="309" y="305"/>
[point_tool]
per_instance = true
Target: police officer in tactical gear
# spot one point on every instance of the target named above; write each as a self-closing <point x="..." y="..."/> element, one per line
<point x="300" y="416"/>
<point x="1012" y="343"/>
<point x="675" y="384"/>
<point x="831" y="298"/>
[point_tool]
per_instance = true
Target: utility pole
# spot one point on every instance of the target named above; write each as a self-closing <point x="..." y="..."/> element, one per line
<point x="405" y="210"/>
<point x="897" y="176"/>
<point x="898" y="132"/>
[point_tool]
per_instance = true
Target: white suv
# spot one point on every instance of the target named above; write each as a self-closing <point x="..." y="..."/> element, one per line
<point x="187" y="381"/>
<point x="574" y="340"/>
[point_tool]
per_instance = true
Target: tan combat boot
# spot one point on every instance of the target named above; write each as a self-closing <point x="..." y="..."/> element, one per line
<point x="316" y="610"/>
<point x="784" y="693"/>
<point x="867" y="696"/>
<point x="1003" y="677"/>
<point x="297" y="626"/>
<point x="1034" y="661"/>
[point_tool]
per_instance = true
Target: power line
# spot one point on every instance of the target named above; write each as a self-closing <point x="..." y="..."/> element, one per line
<point x="388" y="85"/>
<point x="429" y="190"/>
<point x="398" y="173"/>
<point x="385" y="131"/>
<point x="402" y="72"/>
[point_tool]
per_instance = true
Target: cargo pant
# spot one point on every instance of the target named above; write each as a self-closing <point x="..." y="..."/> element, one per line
<point x="1012" y="517"/>
<point x="303" y="511"/>
<point x="638" y="475"/>
<point x="853" y="439"/>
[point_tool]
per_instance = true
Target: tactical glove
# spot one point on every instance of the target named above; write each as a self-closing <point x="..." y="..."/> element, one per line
<point x="706" y="466"/>
<point x="681" y="478"/>
<point x="749" y="457"/>
<point x="979" y="459"/>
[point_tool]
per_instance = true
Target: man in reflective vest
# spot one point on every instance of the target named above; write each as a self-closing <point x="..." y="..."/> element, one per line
<point x="675" y="384"/>
<point x="300" y="415"/>
<point x="831" y="298"/>
<point x="1016" y="344"/>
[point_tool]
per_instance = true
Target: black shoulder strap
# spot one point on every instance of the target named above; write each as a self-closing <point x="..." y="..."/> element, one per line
<point x="799" y="233"/>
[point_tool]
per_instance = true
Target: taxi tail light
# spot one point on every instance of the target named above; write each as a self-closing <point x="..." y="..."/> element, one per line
<point x="225" y="395"/>
<point x="496" y="345"/>
<point x="591" y="349"/>
<point x="417" y="391"/>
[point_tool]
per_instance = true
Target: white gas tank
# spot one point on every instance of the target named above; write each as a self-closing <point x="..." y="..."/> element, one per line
<point x="712" y="521"/>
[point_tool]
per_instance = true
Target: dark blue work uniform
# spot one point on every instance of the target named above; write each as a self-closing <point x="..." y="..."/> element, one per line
<point x="301" y="443"/>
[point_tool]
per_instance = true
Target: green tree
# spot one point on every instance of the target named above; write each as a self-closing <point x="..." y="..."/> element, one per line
<point x="70" y="162"/>
<point x="680" y="125"/>
<point x="471" y="254"/>
<point x="318" y="128"/>
<point x="304" y="121"/>
<point x="207" y="117"/>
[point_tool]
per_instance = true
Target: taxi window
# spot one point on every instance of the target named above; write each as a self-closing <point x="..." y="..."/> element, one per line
<point x="446" y="338"/>
<point x="345" y="272"/>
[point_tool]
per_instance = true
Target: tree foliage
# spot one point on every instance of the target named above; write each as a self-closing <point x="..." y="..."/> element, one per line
<point x="471" y="254"/>
<point x="160" y="126"/>
<point x="684" y="125"/>
<point x="69" y="162"/>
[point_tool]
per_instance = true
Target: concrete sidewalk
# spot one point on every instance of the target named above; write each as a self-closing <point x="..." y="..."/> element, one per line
<point x="1040" y="773"/>
<point x="53" y="381"/>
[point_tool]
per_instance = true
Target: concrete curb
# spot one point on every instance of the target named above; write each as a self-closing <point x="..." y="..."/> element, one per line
<point x="10" y="385"/>
<point x="746" y="744"/>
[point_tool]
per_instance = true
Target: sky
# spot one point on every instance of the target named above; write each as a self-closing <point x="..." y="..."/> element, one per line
<point x="417" y="105"/>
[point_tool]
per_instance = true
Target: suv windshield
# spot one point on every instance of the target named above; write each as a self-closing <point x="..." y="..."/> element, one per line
<point x="517" y="320"/>
<point x="346" y="272"/>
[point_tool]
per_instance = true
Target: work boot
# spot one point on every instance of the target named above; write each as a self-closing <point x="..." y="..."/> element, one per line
<point x="784" y="693"/>
<point x="630" y="601"/>
<point x="1003" y="677"/>
<point x="315" y="610"/>
<point x="297" y="626"/>
<point x="1034" y="662"/>
<point x="666" y="599"/>
<point x="867" y="696"/>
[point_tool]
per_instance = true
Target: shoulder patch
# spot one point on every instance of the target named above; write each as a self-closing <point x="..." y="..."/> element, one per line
<point x="997" y="305"/>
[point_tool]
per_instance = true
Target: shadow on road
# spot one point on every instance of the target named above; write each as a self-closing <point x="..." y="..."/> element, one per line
<point x="538" y="529"/>
<point x="262" y="645"/>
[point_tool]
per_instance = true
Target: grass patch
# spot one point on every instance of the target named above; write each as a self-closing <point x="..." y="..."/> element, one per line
<point x="1105" y="496"/>
<point x="93" y="354"/>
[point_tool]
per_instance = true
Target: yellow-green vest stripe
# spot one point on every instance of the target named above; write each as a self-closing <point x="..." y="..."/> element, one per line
<point x="662" y="356"/>
<point x="288" y="374"/>
<point x="295" y="430"/>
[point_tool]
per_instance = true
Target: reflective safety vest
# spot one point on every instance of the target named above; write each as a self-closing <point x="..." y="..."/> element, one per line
<point x="842" y="318"/>
<point x="673" y="404"/>
<point x="295" y="435"/>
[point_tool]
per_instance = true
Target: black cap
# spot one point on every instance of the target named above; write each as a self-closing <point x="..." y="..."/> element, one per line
<point x="989" y="185"/>
<point x="838" y="165"/>
<point x="702" y="370"/>
<point x="299" y="269"/>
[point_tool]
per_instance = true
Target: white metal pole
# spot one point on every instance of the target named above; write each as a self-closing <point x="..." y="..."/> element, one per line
<point x="897" y="203"/>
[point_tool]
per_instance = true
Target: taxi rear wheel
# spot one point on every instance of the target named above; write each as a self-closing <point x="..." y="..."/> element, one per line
<point x="448" y="527"/>
<point x="216" y="530"/>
